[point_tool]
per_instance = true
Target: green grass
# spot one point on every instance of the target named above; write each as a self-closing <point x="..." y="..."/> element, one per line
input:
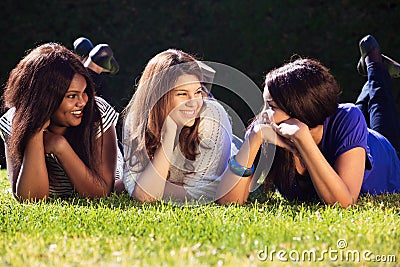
<point x="118" y="231"/>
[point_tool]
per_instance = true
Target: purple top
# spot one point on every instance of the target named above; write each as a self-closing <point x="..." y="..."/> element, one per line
<point x="347" y="129"/>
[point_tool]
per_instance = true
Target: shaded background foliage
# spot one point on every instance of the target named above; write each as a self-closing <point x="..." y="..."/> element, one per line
<point x="251" y="36"/>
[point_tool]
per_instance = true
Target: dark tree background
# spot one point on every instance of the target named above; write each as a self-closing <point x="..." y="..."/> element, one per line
<point x="251" y="36"/>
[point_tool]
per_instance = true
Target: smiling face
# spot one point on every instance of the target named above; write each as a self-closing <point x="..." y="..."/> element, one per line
<point x="275" y="114"/>
<point x="186" y="100"/>
<point x="70" y="112"/>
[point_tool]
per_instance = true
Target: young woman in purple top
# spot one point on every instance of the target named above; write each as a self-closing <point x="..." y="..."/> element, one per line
<point x="324" y="149"/>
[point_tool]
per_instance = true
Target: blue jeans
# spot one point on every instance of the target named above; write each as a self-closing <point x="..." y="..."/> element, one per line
<point x="376" y="102"/>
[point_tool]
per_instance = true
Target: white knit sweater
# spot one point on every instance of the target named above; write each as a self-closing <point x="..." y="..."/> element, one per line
<point x="215" y="134"/>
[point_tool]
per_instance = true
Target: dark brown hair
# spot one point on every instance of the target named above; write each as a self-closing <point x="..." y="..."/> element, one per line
<point x="304" y="89"/>
<point x="36" y="88"/>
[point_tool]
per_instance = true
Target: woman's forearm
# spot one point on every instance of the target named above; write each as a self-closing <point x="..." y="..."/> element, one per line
<point x="87" y="182"/>
<point x="234" y="188"/>
<point x="150" y="184"/>
<point x="330" y="186"/>
<point x="32" y="182"/>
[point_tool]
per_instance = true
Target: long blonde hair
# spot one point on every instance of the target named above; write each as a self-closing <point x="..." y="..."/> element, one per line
<point x="150" y="105"/>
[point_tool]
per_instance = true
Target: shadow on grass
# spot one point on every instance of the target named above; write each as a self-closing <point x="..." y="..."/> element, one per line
<point x="273" y="199"/>
<point x="259" y="199"/>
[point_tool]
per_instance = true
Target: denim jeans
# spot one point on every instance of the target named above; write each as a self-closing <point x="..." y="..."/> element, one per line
<point x="376" y="102"/>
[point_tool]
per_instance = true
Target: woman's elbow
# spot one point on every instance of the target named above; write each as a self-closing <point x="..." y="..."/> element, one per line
<point x="145" y="199"/>
<point x="104" y="190"/>
<point x="104" y="193"/>
<point x="348" y="203"/>
<point x="30" y="197"/>
<point x="227" y="199"/>
<point x="236" y="195"/>
<point x="142" y="196"/>
<point x="344" y="203"/>
<point x="105" y="187"/>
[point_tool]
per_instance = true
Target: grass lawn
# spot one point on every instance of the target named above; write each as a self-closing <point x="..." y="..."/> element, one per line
<point x="118" y="231"/>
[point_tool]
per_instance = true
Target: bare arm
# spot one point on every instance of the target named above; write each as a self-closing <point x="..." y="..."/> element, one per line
<point x="85" y="181"/>
<point x="234" y="188"/>
<point x="338" y="184"/>
<point x="150" y="184"/>
<point x="30" y="180"/>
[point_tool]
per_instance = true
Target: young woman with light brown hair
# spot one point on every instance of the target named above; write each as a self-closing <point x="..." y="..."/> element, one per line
<point x="177" y="142"/>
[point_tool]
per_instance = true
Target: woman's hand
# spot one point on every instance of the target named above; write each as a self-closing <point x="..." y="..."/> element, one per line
<point x="268" y="134"/>
<point x="169" y="130"/>
<point x="291" y="129"/>
<point x="45" y="126"/>
<point x="53" y="142"/>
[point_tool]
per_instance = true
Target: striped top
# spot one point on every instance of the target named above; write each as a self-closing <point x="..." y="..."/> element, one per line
<point x="59" y="183"/>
